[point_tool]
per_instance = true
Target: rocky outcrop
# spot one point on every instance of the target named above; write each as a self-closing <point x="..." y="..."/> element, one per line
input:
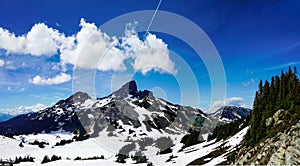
<point x="283" y="149"/>
<point x="287" y="148"/>
<point x="130" y="88"/>
<point x="276" y="119"/>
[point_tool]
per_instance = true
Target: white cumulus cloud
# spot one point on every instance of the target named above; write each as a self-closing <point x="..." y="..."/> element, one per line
<point x="150" y="54"/>
<point x="40" y="40"/>
<point x="94" y="49"/>
<point x="234" y="101"/>
<point x="1" y="62"/>
<point x="90" y="48"/>
<point x="59" y="79"/>
<point x="10" y="42"/>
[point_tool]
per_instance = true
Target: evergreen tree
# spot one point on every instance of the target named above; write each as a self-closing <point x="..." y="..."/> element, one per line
<point x="277" y="91"/>
<point x="254" y="119"/>
<point x="46" y="159"/>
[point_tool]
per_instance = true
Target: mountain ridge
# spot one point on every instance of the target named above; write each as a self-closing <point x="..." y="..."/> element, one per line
<point x="230" y="113"/>
<point x="127" y="97"/>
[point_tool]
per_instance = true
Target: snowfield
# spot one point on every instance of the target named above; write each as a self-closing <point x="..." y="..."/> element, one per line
<point x="91" y="147"/>
<point x="194" y="152"/>
<point x="81" y="163"/>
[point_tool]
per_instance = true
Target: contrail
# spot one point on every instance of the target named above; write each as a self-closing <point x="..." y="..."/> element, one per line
<point x="153" y="16"/>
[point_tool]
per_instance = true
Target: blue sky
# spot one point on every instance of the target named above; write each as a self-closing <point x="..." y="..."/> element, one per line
<point x="255" y="40"/>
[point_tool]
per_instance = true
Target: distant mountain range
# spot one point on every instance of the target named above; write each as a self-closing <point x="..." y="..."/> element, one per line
<point x="8" y="113"/>
<point x="4" y="117"/>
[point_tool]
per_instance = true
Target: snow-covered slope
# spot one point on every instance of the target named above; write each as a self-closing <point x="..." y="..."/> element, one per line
<point x="91" y="148"/>
<point x="202" y="150"/>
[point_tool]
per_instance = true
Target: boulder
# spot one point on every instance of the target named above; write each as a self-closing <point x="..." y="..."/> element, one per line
<point x="261" y="144"/>
<point x="248" y="156"/>
<point x="259" y="156"/>
<point x="269" y="121"/>
<point x="276" y="116"/>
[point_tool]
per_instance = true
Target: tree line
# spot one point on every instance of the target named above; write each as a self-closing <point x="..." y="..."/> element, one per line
<point x="282" y="92"/>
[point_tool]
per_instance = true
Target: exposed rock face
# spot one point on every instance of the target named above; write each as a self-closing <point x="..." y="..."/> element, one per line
<point x="276" y="119"/>
<point x="287" y="149"/>
<point x="283" y="149"/>
<point x="130" y="88"/>
<point x="78" y="97"/>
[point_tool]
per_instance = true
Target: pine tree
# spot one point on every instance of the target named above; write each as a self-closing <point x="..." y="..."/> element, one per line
<point x="254" y="119"/>
<point x="273" y="95"/>
<point x="278" y="92"/>
<point x="46" y="159"/>
<point x="265" y="110"/>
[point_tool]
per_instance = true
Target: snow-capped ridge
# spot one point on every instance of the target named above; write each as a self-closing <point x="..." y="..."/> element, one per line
<point x="230" y="113"/>
<point x="23" y="109"/>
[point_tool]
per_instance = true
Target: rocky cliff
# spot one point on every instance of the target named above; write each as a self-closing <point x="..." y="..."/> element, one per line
<point x="281" y="149"/>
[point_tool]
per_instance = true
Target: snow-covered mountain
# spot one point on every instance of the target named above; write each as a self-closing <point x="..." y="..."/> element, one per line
<point x="22" y="109"/>
<point x="5" y="117"/>
<point x="125" y="113"/>
<point x="8" y="113"/>
<point x="127" y="122"/>
<point x="230" y="113"/>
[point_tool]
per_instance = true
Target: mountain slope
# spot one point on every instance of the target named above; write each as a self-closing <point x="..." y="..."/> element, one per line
<point x="283" y="148"/>
<point x="90" y="148"/>
<point x="273" y="136"/>
<point x="46" y="120"/>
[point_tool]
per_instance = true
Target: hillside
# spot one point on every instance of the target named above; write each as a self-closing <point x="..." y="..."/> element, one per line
<point x="273" y="136"/>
